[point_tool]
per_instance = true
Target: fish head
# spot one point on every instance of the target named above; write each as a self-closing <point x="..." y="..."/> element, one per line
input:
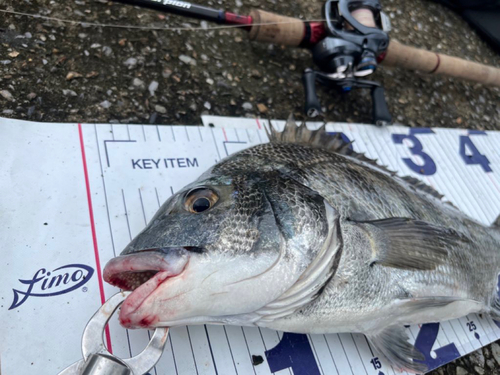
<point x="219" y="251"/>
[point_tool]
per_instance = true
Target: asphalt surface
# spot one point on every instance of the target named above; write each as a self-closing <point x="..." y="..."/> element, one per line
<point x="61" y="72"/>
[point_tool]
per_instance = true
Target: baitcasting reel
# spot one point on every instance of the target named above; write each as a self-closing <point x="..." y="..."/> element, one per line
<point x="356" y="37"/>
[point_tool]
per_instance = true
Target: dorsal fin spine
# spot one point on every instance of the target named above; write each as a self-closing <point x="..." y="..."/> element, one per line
<point x="321" y="139"/>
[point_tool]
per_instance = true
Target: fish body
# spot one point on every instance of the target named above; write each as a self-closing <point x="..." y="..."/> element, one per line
<point x="304" y="235"/>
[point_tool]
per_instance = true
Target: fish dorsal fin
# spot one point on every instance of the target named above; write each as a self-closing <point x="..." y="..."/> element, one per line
<point x="496" y="223"/>
<point x="423" y="187"/>
<point x="300" y="134"/>
<point x="320" y="138"/>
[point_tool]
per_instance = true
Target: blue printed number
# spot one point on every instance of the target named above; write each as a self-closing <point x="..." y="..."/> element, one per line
<point x="424" y="342"/>
<point x="344" y="137"/>
<point x="428" y="167"/>
<point x="469" y="152"/>
<point x="376" y="363"/>
<point x="293" y="351"/>
<point x="472" y="326"/>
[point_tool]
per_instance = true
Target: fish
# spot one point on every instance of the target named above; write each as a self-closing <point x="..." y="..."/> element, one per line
<point x="305" y="235"/>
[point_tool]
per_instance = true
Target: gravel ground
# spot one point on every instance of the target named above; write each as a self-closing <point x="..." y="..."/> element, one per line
<point x="61" y="72"/>
<point x="54" y="71"/>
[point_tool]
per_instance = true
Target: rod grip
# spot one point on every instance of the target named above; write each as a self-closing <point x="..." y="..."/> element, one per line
<point x="273" y="28"/>
<point x="400" y="55"/>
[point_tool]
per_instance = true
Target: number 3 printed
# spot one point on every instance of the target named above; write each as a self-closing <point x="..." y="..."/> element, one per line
<point x="428" y="167"/>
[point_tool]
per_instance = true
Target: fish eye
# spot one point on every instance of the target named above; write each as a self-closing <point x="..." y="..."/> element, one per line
<point x="200" y="200"/>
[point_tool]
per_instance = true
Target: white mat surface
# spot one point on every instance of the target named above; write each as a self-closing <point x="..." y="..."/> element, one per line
<point x="72" y="197"/>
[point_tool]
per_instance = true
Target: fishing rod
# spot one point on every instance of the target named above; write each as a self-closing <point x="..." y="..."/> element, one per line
<point x="347" y="45"/>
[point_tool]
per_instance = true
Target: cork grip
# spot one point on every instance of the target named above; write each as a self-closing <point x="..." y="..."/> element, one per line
<point x="399" y="55"/>
<point x="281" y="30"/>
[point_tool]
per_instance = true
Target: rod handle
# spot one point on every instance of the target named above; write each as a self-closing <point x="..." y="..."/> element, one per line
<point x="403" y="56"/>
<point x="274" y="28"/>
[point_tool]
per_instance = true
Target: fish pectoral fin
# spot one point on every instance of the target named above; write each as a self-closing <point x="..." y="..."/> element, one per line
<point x="393" y="343"/>
<point x="410" y="244"/>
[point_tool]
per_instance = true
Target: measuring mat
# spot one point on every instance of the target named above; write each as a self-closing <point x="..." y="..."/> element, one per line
<point x="74" y="195"/>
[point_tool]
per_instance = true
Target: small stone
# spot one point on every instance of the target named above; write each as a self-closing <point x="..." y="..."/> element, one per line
<point x="82" y="36"/>
<point x="138" y="82"/>
<point x="95" y="45"/>
<point x="193" y="107"/>
<point x="187" y="60"/>
<point x="122" y="42"/>
<point x="247" y="106"/>
<point x="131" y="62"/>
<point x="107" y="51"/>
<point x="69" y="92"/>
<point x="5" y="62"/>
<point x="232" y="102"/>
<point x="477" y="358"/>
<point x="166" y="73"/>
<point x="8" y="111"/>
<point x="204" y="57"/>
<point x="28" y="35"/>
<point x="257" y="360"/>
<point x="43" y="38"/>
<point x="92" y="74"/>
<point x="31" y="96"/>
<point x="45" y="62"/>
<point x="210" y="81"/>
<point x="255" y="73"/>
<point x="73" y="75"/>
<point x="459" y="120"/>
<point x="262" y="108"/>
<point x="152" y="87"/>
<point x="160" y="109"/>
<point x="105" y="104"/>
<point x="479" y="370"/>
<point x="495" y="351"/>
<point x="207" y="105"/>
<point x="7" y="95"/>
<point x="238" y="39"/>
<point x="204" y="25"/>
<point x="462" y="371"/>
<point x="14" y="54"/>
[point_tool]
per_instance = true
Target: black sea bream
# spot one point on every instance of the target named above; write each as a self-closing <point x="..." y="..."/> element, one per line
<point x="304" y="235"/>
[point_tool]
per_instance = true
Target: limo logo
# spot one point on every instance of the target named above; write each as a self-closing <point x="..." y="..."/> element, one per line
<point x="53" y="283"/>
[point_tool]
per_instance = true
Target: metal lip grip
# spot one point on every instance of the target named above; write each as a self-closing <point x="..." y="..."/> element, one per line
<point x="97" y="360"/>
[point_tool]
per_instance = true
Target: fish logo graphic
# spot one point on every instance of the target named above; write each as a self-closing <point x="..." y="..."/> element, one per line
<point x="53" y="283"/>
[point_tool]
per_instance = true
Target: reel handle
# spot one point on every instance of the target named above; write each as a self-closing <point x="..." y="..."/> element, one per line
<point x="381" y="114"/>
<point x="312" y="106"/>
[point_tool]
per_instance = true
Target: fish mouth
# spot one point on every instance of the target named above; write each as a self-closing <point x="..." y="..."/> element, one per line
<point x="143" y="272"/>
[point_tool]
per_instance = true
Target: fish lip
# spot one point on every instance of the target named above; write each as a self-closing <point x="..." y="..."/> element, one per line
<point x="135" y="300"/>
<point x="166" y="265"/>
